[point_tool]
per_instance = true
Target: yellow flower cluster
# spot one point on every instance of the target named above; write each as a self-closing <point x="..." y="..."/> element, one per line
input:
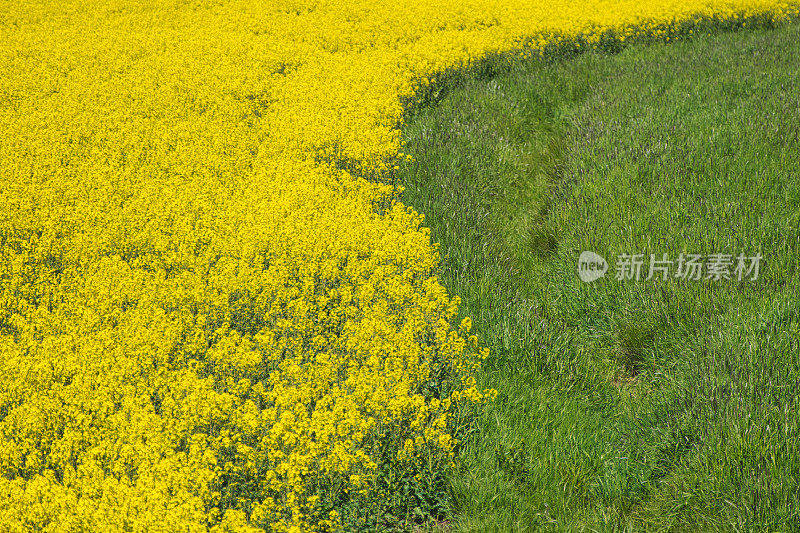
<point x="209" y="305"/>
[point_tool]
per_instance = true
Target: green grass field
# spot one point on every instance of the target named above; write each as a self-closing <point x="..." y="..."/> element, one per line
<point x="650" y="405"/>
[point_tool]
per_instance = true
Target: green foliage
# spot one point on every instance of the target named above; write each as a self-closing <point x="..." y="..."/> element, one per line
<point x="623" y="405"/>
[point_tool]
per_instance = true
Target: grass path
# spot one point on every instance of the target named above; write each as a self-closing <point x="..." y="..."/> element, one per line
<point x="643" y="405"/>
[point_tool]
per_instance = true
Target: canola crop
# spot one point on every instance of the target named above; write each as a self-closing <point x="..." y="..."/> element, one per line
<point x="214" y="313"/>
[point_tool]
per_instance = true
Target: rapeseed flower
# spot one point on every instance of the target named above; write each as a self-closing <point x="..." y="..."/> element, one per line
<point x="211" y="302"/>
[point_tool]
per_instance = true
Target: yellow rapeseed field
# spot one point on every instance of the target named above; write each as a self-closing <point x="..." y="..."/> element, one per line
<point x="214" y="314"/>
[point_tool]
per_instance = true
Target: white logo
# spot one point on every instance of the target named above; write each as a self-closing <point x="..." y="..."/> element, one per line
<point x="713" y="267"/>
<point x="591" y="267"/>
